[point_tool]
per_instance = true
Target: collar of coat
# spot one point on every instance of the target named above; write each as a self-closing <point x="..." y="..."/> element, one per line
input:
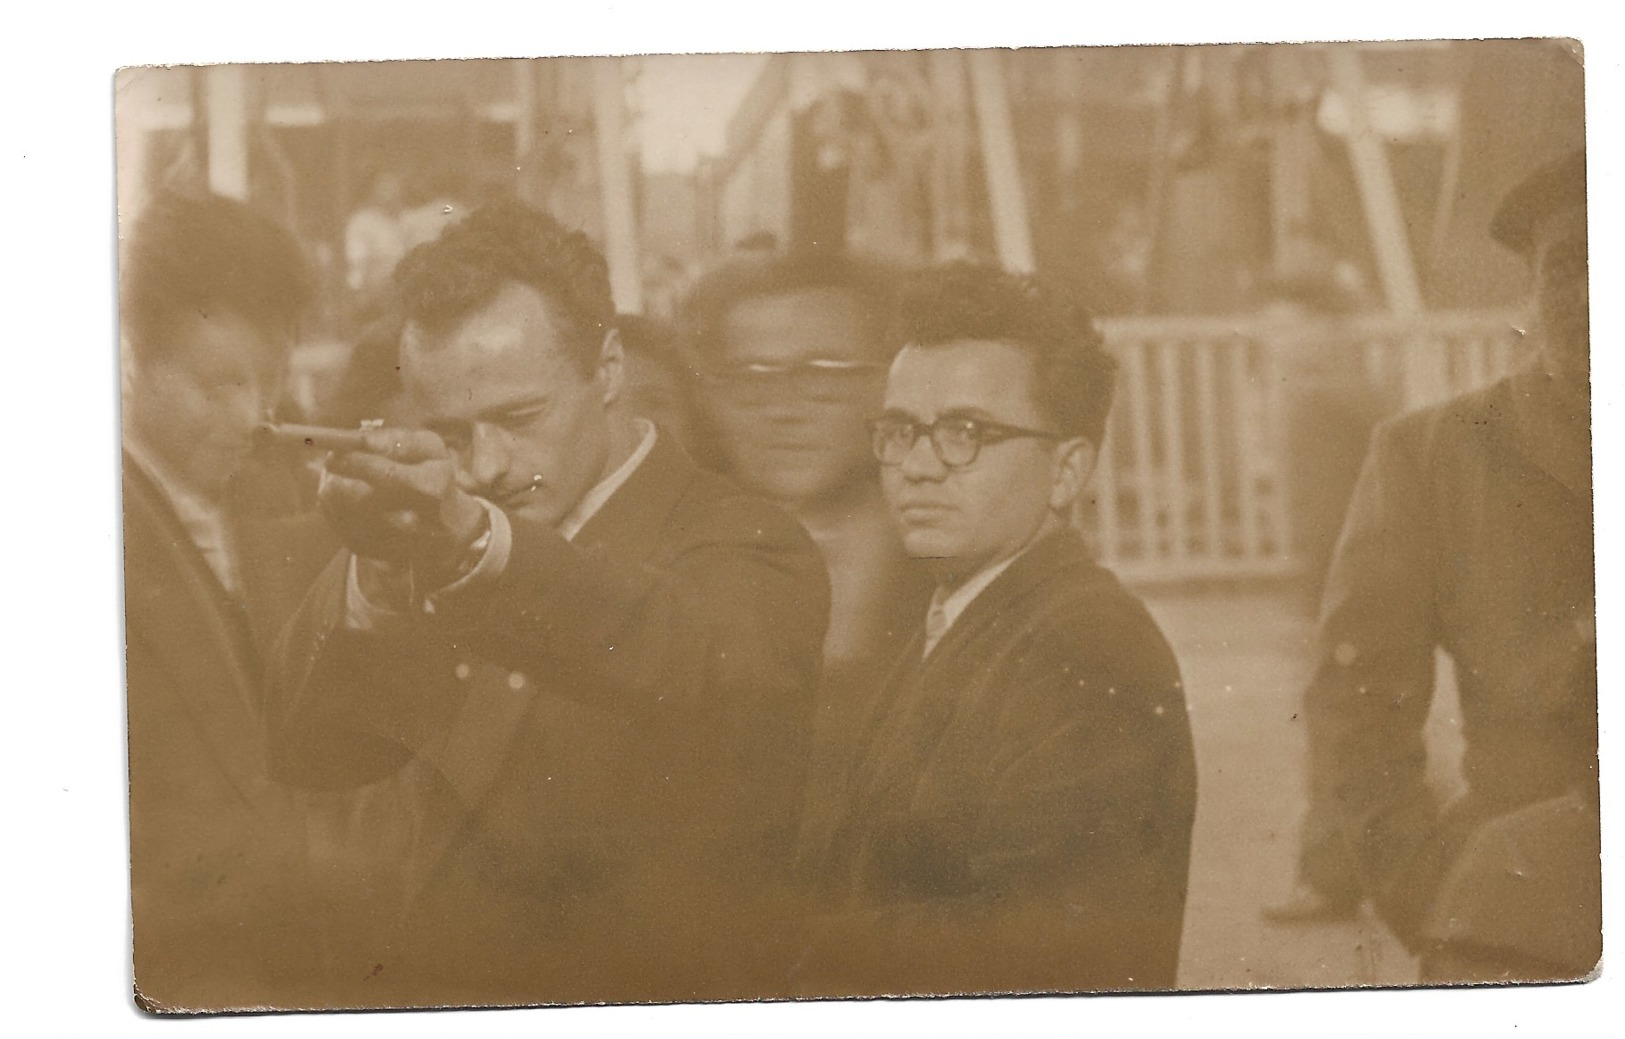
<point x="634" y="514"/>
<point x="1550" y="428"/>
<point x="1062" y="555"/>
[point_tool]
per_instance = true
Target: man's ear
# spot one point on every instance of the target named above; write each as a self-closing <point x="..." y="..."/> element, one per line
<point x="1074" y="465"/>
<point x="611" y="365"/>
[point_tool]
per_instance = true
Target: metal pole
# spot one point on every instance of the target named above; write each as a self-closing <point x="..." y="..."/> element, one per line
<point x="1423" y="361"/>
<point x="227" y="99"/>
<point x="1182" y="68"/>
<point x="1012" y="234"/>
<point x="524" y="123"/>
<point x="1384" y="220"/>
<point x="1291" y="155"/>
<point x="615" y="187"/>
<point x="950" y="218"/>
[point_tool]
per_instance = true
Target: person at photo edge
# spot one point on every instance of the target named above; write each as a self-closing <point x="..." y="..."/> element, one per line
<point x="1471" y="531"/>
<point x="597" y="660"/>
<point x="219" y="546"/>
<point x="1021" y="819"/>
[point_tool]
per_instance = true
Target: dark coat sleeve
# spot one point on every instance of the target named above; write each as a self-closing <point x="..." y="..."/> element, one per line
<point x="725" y="629"/>
<point x="730" y="629"/>
<point x="1367" y="702"/>
<point x="327" y="685"/>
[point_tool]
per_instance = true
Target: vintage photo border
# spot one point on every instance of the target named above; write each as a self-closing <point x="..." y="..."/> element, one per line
<point x="71" y="955"/>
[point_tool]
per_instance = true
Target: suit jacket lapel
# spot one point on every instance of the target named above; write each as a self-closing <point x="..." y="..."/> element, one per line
<point x="931" y="692"/>
<point x="926" y="695"/>
<point x="992" y="609"/>
<point x="176" y="609"/>
<point x="629" y="523"/>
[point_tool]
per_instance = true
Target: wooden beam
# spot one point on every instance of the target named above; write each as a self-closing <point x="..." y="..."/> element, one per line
<point x="1012" y="233"/>
<point x="615" y="186"/>
<point x="227" y="89"/>
<point x="1425" y="375"/>
<point x="1396" y="266"/>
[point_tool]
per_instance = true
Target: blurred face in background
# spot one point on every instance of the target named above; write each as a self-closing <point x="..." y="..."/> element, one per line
<point x="652" y="388"/>
<point x="971" y="516"/>
<point x="788" y="391"/>
<point x="506" y="392"/>
<point x="1562" y="295"/>
<point x="195" y="404"/>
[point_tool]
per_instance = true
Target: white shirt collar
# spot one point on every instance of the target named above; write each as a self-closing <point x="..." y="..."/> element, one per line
<point x="594" y="500"/>
<point x="954" y="603"/>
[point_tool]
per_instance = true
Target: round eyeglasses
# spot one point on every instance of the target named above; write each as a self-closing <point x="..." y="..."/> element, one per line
<point x="955" y="440"/>
<point x="818" y="379"/>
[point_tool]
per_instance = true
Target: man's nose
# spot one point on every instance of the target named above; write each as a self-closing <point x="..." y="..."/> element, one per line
<point x="921" y="463"/>
<point x="488" y="457"/>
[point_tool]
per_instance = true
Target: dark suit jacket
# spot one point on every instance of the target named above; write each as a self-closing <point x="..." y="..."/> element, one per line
<point x="1022" y="821"/>
<point x="608" y="749"/>
<point x="217" y="850"/>
<point x="1470" y="531"/>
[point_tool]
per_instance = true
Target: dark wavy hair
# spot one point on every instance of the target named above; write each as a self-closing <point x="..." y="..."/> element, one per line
<point x="1073" y="375"/>
<point x="197" y="254"/>
<point x="441" y="282"/>
<point x="871" y="284"/>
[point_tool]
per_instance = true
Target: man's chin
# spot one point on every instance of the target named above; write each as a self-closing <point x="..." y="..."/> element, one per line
<point x="794" y="487"/>
<point x="928" y="544"/>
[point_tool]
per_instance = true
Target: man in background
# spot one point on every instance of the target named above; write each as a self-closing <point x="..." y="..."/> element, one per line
<point x="217" y="552"/>
<point x="1471" y="531"/>
<point x="1021" y="820"/>
<point x="375" y="236"/>
<point x="789" y="358"/>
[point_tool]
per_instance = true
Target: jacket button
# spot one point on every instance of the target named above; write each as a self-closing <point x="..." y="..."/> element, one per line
<point x="516" y="680"/>
<point x="462" y="671"/>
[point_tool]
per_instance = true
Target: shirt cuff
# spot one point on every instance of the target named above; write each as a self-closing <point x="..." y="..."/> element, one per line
<point x="485" y="573"/>
<point x="364" y="614"/>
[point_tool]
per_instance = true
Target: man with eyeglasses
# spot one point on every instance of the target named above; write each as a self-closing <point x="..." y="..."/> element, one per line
<point x="1021" y="819"/>
<point x="789" y="356"/>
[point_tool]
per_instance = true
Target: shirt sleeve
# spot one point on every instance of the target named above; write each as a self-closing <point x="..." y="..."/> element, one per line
<point x="398" y="600"/>
<point x="492" y="562"/>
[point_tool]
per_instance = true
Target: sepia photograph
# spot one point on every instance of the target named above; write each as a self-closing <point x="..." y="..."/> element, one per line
<point x="806" y="530"/>
<point x="813" y="525"/>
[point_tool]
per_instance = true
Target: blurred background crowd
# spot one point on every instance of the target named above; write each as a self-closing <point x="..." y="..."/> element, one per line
<point x="1282" y="245"/>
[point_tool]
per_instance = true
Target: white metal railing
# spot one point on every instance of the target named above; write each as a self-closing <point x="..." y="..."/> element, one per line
<point x="1192" y="478"/>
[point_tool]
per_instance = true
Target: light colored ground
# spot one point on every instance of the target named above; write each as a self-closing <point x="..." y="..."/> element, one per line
<point x="1245" y="656"/>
